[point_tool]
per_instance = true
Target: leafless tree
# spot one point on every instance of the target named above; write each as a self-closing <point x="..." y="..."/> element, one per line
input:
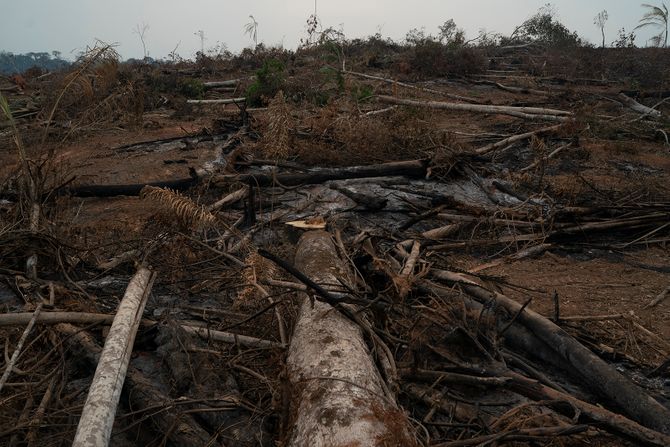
<point x="141" y="31"/>
<point x="599" y="21"/>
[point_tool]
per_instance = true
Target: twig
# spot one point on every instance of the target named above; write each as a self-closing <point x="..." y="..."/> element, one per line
<point x="659" y="298"/>
<point x="544" y="159"/>
<point x="557" y="311"/>
<point x="511" y="322"/>
<point x="36" y="422"/>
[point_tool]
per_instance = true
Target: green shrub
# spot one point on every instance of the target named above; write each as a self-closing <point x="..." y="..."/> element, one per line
<point x="191" y="88"/>
<point x="269" y="80"/>
<point x="360" y="93"/>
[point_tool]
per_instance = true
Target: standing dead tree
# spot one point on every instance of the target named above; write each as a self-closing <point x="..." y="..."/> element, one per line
<point x="141" y="32"/>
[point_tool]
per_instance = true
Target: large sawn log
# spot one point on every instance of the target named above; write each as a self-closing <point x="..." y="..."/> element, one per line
<point x="338" y="397"/>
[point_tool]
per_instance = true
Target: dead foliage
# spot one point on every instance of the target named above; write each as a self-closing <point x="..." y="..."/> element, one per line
<point x="90" y="94"/>
<point x="183" y="210"/>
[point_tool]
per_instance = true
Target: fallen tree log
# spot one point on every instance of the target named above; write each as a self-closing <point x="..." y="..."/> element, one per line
<point x="179" y="427"/>
<point x="530" y="113"/>
<point x="507" y="88"/>
<point x="216" y="101"/>
<point x="412" y="168"/>
<point x="215" y="84"/>
<point x="339" y="398"/>
<point x="12" y="319"/>
<point x="125" y="190"/>
<point x="659" y="94"/>
<point x="591" y="369"/>
<point x="97" y="417"/>
<point x="639" y="108"/>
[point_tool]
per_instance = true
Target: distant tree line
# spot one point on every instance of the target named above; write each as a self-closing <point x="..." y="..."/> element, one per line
<point x="11" y="63"/>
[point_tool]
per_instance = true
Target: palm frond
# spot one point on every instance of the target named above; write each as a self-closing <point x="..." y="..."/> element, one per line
<point x="275" y="141"/>
<point x="188" y="213"/>
<point x="656" y="17"/>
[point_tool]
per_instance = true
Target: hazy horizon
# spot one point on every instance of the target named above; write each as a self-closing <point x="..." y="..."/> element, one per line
<point x="68" y="27"/>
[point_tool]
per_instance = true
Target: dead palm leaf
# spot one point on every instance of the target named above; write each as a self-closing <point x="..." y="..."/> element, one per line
<point x="186" y="212"/>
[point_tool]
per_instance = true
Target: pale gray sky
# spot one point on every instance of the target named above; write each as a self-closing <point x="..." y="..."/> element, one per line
<point x="70" y="25"/>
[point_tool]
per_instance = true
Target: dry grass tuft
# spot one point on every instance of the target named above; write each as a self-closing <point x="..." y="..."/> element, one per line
<point x="187" y="213"/>
<point x="339" y="134"/>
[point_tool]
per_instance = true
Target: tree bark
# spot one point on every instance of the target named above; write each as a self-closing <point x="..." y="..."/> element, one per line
<point x="338" y="395"/>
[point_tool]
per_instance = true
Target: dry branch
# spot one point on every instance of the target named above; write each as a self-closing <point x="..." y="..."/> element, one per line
<point x="508" y="88"/>
<point x="530" y="113"/>
<point x="544" y="159"/>
<point x="97" y="418"/>
<point x="593" y="370"/>
<point x="19" y="346"/>
<point x="612" y="421"/>
<point x="659" y="299"/>
<point x="513" y="139"/>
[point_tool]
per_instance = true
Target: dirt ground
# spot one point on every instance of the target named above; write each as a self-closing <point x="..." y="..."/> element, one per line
<point x="616" y="272"/>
